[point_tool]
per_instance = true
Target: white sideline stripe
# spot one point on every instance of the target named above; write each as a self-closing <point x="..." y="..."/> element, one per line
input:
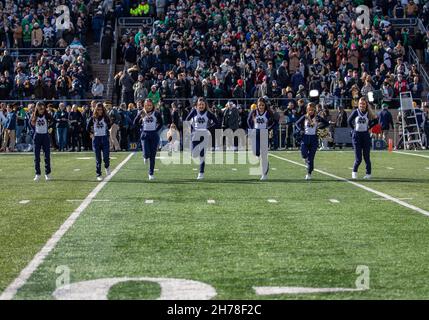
<point x="382" y="199"/>
<point x="334" y="200"/>
<point x="38" y="259"/>
<point x="211" y="201"/>
<point x="272" y="200"/>
<point x="380" y="194"/>
<point x="412" y="154"/>
<point x="24" y="201"/>
<point x="148" y="201"/>
<point x="266" y="291"/>
<point x="85" y="158"/>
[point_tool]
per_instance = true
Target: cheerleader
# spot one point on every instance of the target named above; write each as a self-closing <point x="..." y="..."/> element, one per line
<point x="150" y="121"/>
<point x="98" y="127"/>
<point x="260" y="119"/>
<point x="40" y="122"/>
<point x="307" y="126"/>
<point x="361" y="121"/>
<point x="201" y="121"/>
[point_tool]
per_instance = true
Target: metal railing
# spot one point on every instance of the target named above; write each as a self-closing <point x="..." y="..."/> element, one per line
<point x="112" y="67"/>
<point x="25" y="102"/>
<point x="421" y="26"/>
<point x="282" y="103"/>
<point x="135" y="21"/>
<point x="420" y="68"/>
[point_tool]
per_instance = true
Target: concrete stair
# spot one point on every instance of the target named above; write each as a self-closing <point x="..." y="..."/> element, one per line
<point x="99" y="70"/>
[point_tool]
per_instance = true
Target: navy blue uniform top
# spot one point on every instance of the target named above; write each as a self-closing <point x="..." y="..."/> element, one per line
<point x="151" y="122"/>
<point x="303" y="125"/>
<point x="202" y="120"/>
<point x="257" y="120"/>
<point x="360" y="122"/>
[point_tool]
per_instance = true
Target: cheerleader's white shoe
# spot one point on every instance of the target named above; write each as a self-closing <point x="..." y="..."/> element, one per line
<point x="367" y="177"/>
<point x="200" y="176"/>
<point x="151" y="177"/>
<point x="48" y="177"/>
<point x="37" y="178"/>
<point x="108" y="172"/>
<point x="308" y="177"/>
<point x="264" y="177"/>
<point x="354" y="175"/>
<point x="99" y="178"/>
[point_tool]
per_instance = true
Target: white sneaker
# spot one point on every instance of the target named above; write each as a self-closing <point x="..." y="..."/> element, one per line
<point x="145" y="160"/>
<point x="108" y="172"/>
<point x="200" y="176"/>
<point x="37" y="177"/>
<point x="308" y="177"/>
<point x="354" y="175"/>
<point x="367" y="177"/>
<point x="264" y="177"/>
<point x="48" y="177"/>
<point x="151" y="177"/>
<point x="99" y="178"/>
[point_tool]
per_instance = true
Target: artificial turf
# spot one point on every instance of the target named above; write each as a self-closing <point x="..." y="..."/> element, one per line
<point x="239" y="242"/>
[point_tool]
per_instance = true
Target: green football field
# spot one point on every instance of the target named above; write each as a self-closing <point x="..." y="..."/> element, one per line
<point x="231" y="231"/>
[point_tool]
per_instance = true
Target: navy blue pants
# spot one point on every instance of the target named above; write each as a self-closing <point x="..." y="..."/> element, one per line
<point x="101" y="145"/>
<point x="150" y="142"/>
<point x="42" y="141"/>
<point x="362" y="145"/>
<point x="198" y="150"/>
<point x="256" y="146"/>
<point x="309" y="146"/>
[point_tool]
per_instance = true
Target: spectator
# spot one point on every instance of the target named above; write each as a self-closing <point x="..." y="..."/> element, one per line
<point x="97" y="89"/>
<point x="62" y="124"/>
<point x="386" y="121"/>
<point x="9" y="135"/>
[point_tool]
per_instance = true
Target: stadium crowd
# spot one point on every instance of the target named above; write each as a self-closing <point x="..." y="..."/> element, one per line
<point x="229" y="52"/>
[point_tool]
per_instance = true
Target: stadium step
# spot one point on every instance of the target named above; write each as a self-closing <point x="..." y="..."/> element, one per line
<point x="99" y="70"/>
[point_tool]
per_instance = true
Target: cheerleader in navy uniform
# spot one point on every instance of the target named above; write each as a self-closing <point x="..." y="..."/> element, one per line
<point x="201" y="120"/>
<point x="307" y="126"/>
<point x="261" y="119"/>
<point x="361" y="121"/>
<point x="150" y="121"/>
<point x="40" y="121"/>
<point x="98" y="127"/>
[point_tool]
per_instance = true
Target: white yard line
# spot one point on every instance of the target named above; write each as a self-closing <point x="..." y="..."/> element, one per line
<point x="380" y="194"/>
<point x="38" y="259"/>
<point x="94" y="200"/>
<point x="412" y="154"/>
<point x="382" y="199"/>
<point x="267" y="291"/>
